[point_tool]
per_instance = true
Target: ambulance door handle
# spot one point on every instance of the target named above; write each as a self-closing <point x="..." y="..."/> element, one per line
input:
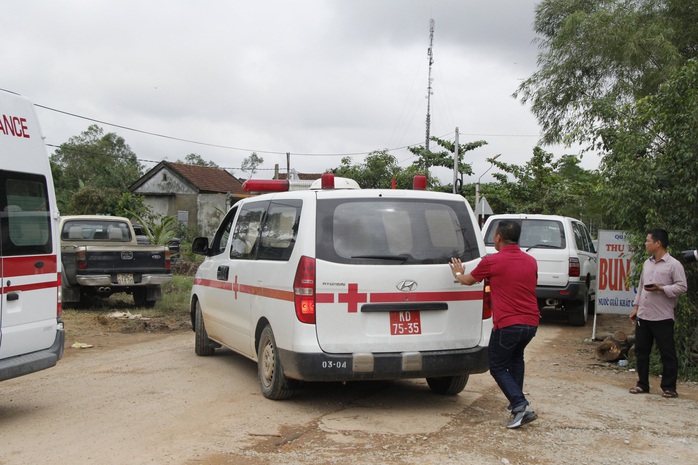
<point x="222" y="274"/>
<point x="12" y="296"/>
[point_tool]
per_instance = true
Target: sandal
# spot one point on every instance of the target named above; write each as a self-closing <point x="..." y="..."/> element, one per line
<point x="637" y="390"/>
<point x="669" y="394"/>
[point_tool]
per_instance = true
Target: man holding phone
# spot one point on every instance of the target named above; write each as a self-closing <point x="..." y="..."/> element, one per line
<point x="662" y="280"/>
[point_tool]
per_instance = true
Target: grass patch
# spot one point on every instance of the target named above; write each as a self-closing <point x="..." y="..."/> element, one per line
<point x="169" y="314"/>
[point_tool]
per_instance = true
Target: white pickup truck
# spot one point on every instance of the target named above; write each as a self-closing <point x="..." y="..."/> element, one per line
<point x="566" y="258"/>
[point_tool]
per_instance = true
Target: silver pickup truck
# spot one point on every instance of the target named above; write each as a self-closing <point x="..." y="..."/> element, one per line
<point x="101" y="256"/>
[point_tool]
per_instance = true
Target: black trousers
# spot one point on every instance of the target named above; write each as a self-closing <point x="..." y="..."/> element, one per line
<point x="661" y="332"/>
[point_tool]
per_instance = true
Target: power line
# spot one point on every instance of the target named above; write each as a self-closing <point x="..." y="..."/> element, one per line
<point x="242" y="149"/>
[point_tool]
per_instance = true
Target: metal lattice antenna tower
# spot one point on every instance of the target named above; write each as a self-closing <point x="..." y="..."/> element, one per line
<point x="429" y="89"/>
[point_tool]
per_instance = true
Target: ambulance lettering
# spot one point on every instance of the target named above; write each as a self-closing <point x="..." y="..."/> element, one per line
<point x="14" y="126"/>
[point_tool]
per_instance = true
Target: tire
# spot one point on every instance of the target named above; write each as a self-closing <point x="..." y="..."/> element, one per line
<point x="272" y="381"/>
<point x="578" y="312"/>
<point x="140" y="298"/>
<point x="203" y="346"/>
<point x="448" y="385"/>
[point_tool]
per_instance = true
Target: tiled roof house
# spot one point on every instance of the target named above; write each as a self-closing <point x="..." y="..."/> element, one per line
<point x="196" y="195"/>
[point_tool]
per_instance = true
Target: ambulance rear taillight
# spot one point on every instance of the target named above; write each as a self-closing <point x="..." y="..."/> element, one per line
<point x="486" y="301"/>
<point x="59" y="300"/>
<point x="304" y="290"/>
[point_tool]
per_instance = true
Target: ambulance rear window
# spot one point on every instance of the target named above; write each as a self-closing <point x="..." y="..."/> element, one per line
<point x="25" y="221"/>
<point x="394" y="231"/>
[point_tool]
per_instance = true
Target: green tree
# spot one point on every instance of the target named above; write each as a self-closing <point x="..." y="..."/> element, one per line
<point x="377" y="171"/>
<point x="250" y="164"/>
<point x="159" y="230"/>
<point x="597" y="55"/>
<point x="651" y="172"/>
<point x="622" y="77"/>
<point x="196" y="159"/>
<point x="101" y="164"/>
<point x="129" y="203"/>
<point x="545" y="185"/>
<point x="444" y="158"/>
<point x="91" y="200"/>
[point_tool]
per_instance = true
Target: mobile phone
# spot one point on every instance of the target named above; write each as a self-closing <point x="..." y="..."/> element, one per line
<point x="647" y="286"/>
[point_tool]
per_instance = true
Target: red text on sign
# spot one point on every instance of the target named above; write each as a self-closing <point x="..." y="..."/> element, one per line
<point x="613" y="273"/>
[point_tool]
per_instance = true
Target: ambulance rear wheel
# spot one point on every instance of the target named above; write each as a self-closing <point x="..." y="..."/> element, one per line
<point x="140" y="298"/>
<point x="272" y="381"/>
<point x="448" y="385"/>
<point x="203" y="346"/>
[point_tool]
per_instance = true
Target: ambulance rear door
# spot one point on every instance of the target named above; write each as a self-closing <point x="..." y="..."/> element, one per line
<point x="383" y="280"/>
<point x="29" y="261"/>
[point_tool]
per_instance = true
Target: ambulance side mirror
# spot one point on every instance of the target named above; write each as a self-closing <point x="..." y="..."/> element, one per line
<point x="200" y="246"/>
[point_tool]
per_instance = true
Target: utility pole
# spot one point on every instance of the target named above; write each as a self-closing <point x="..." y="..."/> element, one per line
<point x="455" y="165"/>
<point x="429" y="89"/>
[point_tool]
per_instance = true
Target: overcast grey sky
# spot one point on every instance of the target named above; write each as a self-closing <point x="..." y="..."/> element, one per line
<point x="317" y="78"/>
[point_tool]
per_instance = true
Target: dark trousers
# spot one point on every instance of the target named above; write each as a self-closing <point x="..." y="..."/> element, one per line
<point x="661" y="332"/>
<point x="506" y="356"/>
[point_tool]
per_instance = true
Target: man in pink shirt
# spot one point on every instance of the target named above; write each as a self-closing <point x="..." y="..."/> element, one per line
<point x="662" y="280"/>
<point x="512" y="276"/>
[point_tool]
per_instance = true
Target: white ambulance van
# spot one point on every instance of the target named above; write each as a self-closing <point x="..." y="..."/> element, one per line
<point x="337" y="283"/>
<point x="31" y="330"/>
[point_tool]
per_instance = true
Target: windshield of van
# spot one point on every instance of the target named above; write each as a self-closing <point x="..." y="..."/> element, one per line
<point x="547" y="234"/>
<point x="394" y="231"/>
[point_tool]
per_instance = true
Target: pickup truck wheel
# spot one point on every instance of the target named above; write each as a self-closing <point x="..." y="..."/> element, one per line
<point x="274" y="384"/>
<point x="140" y="298"/>
<point x="578" y="312"/>
<point x="203" y="346"/>
<point x="448" y="385"/>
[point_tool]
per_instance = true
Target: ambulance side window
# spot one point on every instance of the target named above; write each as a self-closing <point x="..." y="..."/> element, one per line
<point x="25" y="220"/>
<point x="246" y="231"/>
<point x="220" y="240"/>
<point x="280" y="230"/>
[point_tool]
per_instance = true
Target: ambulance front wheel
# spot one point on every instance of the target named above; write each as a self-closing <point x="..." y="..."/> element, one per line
<point x="448" y="385"/>
<point x="272" y="381"/>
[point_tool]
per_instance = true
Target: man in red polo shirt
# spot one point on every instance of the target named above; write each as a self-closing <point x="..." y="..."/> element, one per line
<point x="512" y="276"/>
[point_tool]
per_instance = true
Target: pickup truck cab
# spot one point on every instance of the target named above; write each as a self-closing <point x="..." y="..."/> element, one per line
<point x="31" y="329"/>
<point x="337" y="283"/>
<point x="566" y="258"/>
<point x="101" y="256"/>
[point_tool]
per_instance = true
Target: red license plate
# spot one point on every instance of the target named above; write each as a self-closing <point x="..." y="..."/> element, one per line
<point x="404" y="323"/>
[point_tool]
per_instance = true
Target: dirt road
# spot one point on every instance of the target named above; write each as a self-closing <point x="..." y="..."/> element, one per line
<point x="147" y="399"/>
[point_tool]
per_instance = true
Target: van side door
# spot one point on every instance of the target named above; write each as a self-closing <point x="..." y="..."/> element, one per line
<point x="29" y="279"/>
<point x="229" y="302"/>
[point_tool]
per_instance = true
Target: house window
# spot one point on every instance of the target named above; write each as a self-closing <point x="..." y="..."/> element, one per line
<point x="183" y="217"/>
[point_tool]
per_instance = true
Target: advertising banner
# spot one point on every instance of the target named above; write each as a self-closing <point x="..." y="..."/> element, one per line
<point x="613" y="295"/>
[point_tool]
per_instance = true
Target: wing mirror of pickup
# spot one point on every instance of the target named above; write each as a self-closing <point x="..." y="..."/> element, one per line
<point x="200" y="246"/>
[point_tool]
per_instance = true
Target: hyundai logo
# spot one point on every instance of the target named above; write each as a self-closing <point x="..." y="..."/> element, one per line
<point x="406" y="285"/>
